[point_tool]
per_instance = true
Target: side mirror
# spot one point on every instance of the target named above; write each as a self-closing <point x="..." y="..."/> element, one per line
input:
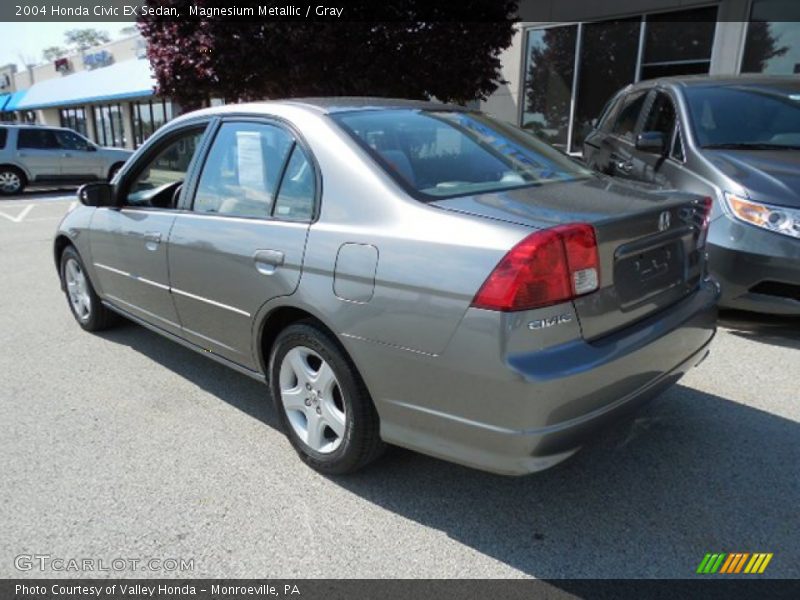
<point x="96" y="194"/>
<point x="651" y="141"/>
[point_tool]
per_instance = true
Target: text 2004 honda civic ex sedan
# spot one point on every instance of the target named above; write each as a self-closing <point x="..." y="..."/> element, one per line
<point x="399" y="272"/>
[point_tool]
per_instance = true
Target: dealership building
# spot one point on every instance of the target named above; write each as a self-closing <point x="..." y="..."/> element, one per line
<point x="105" y="93"/>
<point x="567" y="58"/>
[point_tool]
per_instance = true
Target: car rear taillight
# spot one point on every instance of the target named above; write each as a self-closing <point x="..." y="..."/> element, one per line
<point x="547" y="267"/>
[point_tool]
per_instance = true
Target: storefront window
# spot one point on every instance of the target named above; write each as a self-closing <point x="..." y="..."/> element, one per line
<point x="75" y="119"/>
<point x="678" y="43"/>
<point x="147" y="117"/>
<point x="549" y="69"/>
<point x="773" y="38"/>
<point x="558" y="101"/>
<point x="607" y="64"/>
<point x="108" y="125"/>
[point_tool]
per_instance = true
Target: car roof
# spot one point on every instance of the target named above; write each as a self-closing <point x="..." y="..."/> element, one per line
<point x="334" y="104"/>
<point x="787" y="82"/>
<point x="320" y="105"/>
<point x="32" y="126"/>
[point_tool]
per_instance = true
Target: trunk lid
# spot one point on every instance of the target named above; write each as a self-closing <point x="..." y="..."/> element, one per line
<point x="648" y="242"/>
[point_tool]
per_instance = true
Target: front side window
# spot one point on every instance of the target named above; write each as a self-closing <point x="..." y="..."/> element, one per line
<point x="745" y="116"/>
<point x="626" y="119"/>
<point x="157" y="184"/>
<point x="437" y="154"/>
<point x="243" y="169"/>
<point x="661" y="117"/>
<point x="38" y="139"/>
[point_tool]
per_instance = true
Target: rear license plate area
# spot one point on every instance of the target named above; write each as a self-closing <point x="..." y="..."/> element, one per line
<point x="644" y="274"/>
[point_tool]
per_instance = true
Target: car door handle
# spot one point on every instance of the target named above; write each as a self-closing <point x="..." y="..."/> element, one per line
<point x="152" y="239"/>
<point x="267" y="261"/>
<point x="66" y="155"/>
<point x="625" y="166"/>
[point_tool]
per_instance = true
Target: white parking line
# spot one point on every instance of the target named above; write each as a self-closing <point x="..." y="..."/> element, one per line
<point x="18" y="219"/>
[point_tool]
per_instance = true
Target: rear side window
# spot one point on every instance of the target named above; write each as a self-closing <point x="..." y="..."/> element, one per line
<point x="243" y="169"/>
<point x="3" y="137"/>
<point x="38" y="139"/>
<point x="295" y="201"/>
<point x="628" y="115"/>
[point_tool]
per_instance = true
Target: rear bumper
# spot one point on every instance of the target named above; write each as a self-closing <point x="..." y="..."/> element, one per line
<point x="758" y="270"/>
<point x="533" y="410"/>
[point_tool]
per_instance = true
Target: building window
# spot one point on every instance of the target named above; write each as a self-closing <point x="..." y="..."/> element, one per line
<point x="562" y="96"/>
<point x="147" y="116"/>
<point x="772" y="44"/>
<point x="678" y="43"/>
<point x="75" y="119"/>
<point x="549" y="73"/>
<point x="607" y="64"/>
<point x="108" y="125"/>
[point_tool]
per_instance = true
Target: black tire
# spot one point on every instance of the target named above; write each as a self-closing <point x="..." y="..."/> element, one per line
<point x="361" y="442"/>
<point x="9" y="175"/>
<point x="97" y="316"/>
<point x="114" y="170"/>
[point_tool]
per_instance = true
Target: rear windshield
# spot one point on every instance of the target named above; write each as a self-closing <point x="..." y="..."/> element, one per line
<point x="742" y="116"/>
<point x="441" y="154"/>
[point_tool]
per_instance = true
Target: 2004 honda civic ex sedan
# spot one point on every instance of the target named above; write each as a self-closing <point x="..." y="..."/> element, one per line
<point x="399" y="272"/>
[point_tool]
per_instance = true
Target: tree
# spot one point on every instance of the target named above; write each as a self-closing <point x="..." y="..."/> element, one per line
<point x="51" y="53"/>
<point x="83" y="39"/>
<point x="418" y="57"/>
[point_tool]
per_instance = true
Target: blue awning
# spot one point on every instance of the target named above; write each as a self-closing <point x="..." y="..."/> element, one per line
<point x="13" y="101"/>
<point x="120" y="81"/>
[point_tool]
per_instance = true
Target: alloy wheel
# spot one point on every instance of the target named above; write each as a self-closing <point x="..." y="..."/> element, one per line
<point x="10" y="182"/>
<point x="78" y="290"/>
<point x="312" y="398"/>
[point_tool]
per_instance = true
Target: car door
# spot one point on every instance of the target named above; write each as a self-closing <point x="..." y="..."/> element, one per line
<point x="80" y="159"/>
<point x="39" y="151"/>
<point x="241" y="243"/>
<point x="129" y="242"/>
<point x="663" y="169"/>
<point x="618" y="147"/>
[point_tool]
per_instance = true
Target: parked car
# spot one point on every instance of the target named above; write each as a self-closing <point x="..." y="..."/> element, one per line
<point x="36" y="155"/>
<point x="735" y="139"/>
<point x="399" y="272"/>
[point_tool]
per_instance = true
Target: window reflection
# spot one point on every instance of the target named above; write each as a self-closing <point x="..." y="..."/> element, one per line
<point x="607" y="63"/>
<point x="773" y="38"/>
<point x="549" y="69"/>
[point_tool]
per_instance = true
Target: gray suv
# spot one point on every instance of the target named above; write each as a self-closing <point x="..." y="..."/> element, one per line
<point x="35" y="155"/>
<point x="736" y="140"/>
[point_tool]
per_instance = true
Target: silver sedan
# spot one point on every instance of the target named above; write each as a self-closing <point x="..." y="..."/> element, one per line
<point x="400" y="273"/>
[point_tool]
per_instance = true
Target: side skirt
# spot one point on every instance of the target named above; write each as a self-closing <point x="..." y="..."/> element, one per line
<point x="186" y="344"/>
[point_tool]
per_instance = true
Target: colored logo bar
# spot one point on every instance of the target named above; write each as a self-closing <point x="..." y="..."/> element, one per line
<point x="734" y="562"/>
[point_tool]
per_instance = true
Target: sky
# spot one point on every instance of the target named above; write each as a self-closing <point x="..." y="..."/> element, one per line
<point x="29" y="39"/>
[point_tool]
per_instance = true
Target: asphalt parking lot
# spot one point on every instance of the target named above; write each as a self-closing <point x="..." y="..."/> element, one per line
<point x="126" y="445"/>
